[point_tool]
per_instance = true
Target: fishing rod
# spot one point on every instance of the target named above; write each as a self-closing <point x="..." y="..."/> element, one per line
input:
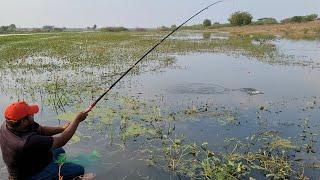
<point x="148" y="52"/>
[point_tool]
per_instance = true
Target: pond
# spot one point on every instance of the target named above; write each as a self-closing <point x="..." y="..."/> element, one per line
<point x="232" y="104"/>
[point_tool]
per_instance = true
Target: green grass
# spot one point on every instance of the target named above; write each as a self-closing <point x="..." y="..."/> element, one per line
<point x="103" y="47"/>
<point x="119" y="50"/>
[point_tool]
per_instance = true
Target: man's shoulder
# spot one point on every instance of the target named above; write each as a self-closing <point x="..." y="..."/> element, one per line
<point x="3" y="125"/>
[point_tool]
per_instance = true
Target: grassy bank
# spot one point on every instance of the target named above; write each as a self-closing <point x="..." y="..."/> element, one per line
<point x="305" y="30"/>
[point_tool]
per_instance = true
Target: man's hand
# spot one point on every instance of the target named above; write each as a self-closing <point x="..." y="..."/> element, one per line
<point x="81" y="116"/>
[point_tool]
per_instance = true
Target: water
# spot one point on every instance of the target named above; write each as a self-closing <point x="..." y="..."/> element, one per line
<point x="200" y="36"/>
<point x="194" y="36"/>
<point x="289" y="95"/>
<point x="302" y="49"/>
<point x="221" y="76"/>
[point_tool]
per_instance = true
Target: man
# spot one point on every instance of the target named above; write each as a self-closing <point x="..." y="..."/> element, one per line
<point x="30" y="150"/>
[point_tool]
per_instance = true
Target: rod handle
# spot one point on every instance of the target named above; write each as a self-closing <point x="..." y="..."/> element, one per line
<point x="89" y="108"/>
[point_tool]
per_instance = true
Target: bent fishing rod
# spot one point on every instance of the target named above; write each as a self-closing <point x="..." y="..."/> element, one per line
<point x="148" y="52"/>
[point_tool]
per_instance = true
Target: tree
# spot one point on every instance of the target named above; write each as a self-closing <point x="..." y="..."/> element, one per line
<point x="94" y="27"/>
<point x="12" y="27"/>
<point x="173" y="26"/>
<point x="48" y="28"/>
<point x="311" y="17"/>
<point x="206" y="23"/>
<point x="299" y="19"/>
<point x="240" y="18"/>
<point x="163" y="28"/>
<point x="3" y="29"/>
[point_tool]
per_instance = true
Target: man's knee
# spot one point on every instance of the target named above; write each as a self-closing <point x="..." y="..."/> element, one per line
<point x="59" y="150"/>
<point x="80" y="169"/>
<point x="71" y="170"/>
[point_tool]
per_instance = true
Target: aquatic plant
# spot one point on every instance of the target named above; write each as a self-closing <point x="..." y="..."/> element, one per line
<point x="85" y="64"/>
<point x="197" y="161"/>
<point x="115" y="49"/>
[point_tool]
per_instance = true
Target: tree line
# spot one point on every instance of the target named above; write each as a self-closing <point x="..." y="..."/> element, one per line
<point x="10" y="28"/>
<point x="236" y="19"/>
<point x="244" y="18"/>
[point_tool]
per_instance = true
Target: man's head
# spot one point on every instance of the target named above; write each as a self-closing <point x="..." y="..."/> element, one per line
<point x="19" y="115"/>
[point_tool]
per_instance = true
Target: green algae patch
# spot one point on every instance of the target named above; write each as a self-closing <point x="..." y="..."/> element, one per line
<point x="135" y="130"/>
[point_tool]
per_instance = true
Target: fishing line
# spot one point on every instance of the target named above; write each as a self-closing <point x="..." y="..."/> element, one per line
<point x="148" y="52"/>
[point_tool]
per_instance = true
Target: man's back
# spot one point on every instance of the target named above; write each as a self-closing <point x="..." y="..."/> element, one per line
<point x="25" y="153"/>
<point x="28" y="148"/>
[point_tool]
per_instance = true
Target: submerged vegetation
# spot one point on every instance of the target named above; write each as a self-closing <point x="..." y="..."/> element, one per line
<point x="263" y="154"/>
<point x="199" y="162"/>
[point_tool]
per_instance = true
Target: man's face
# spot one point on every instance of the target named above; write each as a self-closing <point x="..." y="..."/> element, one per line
<point x="28" y="121"/>
<point x="31" y="119"/>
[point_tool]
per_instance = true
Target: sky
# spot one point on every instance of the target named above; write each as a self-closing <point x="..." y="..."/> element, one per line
<point x="141" y="13"/>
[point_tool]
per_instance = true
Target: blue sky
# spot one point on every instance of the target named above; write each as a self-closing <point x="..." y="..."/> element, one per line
<point x="140" y="13"/>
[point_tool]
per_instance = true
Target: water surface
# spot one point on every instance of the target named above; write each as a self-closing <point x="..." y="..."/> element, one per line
<point x="218" y="80"/>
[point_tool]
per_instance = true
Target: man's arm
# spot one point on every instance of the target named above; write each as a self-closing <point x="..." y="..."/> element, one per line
<point x="62" y="139"/>
<point x="50" y="130"/>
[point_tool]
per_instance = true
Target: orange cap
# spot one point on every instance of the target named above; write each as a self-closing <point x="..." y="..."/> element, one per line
<point x="18" y="110"/>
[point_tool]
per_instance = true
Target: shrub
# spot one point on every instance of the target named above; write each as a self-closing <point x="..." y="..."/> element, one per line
<point x="206" y="23"/>
<point x="36" y="30"/>
<point x="12" y="27"/>
<point x="240" y="18"/>
<point x="163" y="28"/>
<point x="311" y="17"/>
<point x="7" y="29"/>
<point x="57" y="29"/>
<point x="114" y="29"/>
<point x="299" y="19"/>
<point x="287" y="20"/>
<point x="140" y="29"/>
<point x="266" y="21"/>
<point x="4" y="29"/>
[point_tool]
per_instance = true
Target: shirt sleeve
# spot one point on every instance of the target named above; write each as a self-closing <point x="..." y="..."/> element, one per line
<point x="39" y="143"/>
